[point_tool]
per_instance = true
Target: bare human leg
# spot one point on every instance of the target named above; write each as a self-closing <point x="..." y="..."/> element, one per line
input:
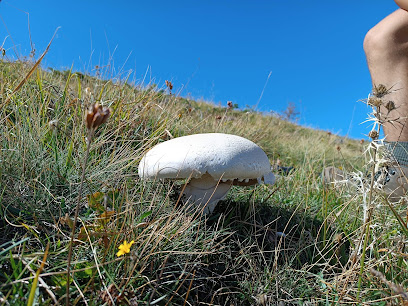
<point x="386" y="48"/>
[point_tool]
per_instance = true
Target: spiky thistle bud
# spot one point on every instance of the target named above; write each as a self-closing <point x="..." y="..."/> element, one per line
<point x="380" y="90"/>
<point x="374" y="101"/>
<point x="390" y="106"/>
<point x="373" y="134"/>
<point x="96" y="116"/>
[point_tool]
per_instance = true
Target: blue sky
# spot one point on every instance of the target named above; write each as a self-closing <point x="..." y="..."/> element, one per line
<point x="217" y="50"/>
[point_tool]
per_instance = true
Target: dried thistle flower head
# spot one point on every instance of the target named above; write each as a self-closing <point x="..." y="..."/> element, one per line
<point x="373" y="134"/>
<point x="380" y="90"/>
<point x="390" y="106"/>
<point x="230" y="105"/>
<point x="96" y="116"/>
<point x="169" y="85"/>
<point x="373" y="101"/>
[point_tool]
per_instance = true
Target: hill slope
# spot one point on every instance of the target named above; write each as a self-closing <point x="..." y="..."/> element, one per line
<point x="291" y="242"/>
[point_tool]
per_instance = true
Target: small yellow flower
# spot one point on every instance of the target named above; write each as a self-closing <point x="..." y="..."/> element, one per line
<point x="124" y="248"/>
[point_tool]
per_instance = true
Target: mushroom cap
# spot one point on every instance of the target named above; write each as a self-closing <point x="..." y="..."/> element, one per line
<point x="220" y="155"/>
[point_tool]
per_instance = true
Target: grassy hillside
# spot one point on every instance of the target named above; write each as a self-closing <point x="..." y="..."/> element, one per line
<point x="295" y="242"/>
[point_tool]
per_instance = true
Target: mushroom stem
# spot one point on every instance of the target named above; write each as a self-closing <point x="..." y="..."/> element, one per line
<point x="205" y="192"/>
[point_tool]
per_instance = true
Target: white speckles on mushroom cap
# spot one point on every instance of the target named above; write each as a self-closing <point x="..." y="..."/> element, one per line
<point x="220" y="155"/>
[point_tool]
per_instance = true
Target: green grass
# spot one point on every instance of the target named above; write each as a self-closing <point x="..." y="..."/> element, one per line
<point x="295" y="242"/>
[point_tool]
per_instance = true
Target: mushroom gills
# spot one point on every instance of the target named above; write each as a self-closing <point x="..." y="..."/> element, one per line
<point x="205" y="192"/>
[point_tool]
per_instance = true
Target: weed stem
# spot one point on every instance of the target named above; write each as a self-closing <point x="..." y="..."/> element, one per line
<point x="367" y="221"/>
<point x="88" y="145"/>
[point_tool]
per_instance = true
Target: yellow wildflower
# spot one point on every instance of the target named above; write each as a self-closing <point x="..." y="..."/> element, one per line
<point x="124" y="248"/>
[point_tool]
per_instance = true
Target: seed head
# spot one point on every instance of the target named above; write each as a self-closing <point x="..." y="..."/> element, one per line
<point x="373" y="101"/>
<point x="88" y="91"/>
<point x="230" y="105"/>
<point x="338" y="238"/>
<point x="53" y="124"/>
<point x="373" y="135"/>
<point x="390" y="105"/>
<point x="96" y="116"/>
<point x="169" y="85"/>
<point x="380" y="90"/>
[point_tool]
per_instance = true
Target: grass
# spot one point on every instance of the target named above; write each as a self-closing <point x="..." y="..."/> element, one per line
<point x="297" y="242"/>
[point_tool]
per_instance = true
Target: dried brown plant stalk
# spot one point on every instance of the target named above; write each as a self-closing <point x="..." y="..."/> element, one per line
<point x="394" y="287"/>
<point x="96" y="116"/>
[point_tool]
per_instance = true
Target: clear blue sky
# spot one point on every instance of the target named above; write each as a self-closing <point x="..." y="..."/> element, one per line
<point x="217" y="50"/>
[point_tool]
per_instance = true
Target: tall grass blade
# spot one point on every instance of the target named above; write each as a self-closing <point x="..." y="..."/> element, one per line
<point x="31" y="297"/>
<point x="31" y="70"/>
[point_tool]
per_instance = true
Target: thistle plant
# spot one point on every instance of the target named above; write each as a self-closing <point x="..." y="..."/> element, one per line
<point x="367" y="186"/>
<point x="378" y="159"/>
<point x="95" y="117"/>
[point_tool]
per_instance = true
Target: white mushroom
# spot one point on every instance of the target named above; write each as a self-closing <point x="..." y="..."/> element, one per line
<point x="213" y="162"/>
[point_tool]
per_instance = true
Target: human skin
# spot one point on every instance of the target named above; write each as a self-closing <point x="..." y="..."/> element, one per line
<point x="386" y="48"/>
<point x="402" y="4"/>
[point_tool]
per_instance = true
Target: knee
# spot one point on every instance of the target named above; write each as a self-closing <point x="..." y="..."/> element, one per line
<point x="388" y="38"/>
<point x="377" y="43"/>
